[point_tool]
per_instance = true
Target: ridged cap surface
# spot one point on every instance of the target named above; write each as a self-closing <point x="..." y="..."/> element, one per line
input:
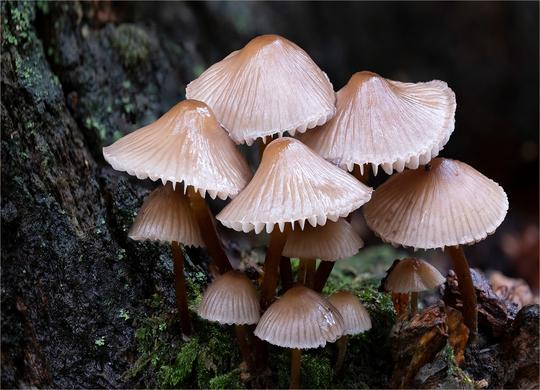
<point x="356" y="318"/>
<point x="413" y="275"/>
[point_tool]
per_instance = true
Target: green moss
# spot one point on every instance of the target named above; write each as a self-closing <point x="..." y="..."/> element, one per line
<point x="178" y="373"/>
<point x="95" y="124"/>
<point x="230" y="380"/>
<point x="317" y="372"/>
<point x="17" y="18"/>
<point x="132" y="44"/>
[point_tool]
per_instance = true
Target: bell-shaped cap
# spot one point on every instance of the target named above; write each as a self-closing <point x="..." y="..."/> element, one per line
<point x="268" y="87"/>
<point x="230" y="299"/>
<point x="167" y="216"/>
<point x="331" y="242"/>
<point x="293" y="184"/>
<point x="301" y="319"/>
<point x="412" y="275"/>
<point x="445" y="203"/>
<point x="386" y="123"/>
<point x="186" y="145"/>
<point x="356" y="318"/>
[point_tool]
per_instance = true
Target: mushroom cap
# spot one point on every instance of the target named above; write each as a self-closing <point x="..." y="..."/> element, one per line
<point x="186" y="145"/>
<point x="356" y="318"/>
<point x="448" y="204"/>
<point x="293" y="184"/>
<point x="230" y="299"/>
<point x="331" y="242"/>
<point x="412" y="275"/>
<point x="268" y="87"/>
<point x="384" y="122"/>
<point x="301" y="319"/>
<point x="166" y="216"/>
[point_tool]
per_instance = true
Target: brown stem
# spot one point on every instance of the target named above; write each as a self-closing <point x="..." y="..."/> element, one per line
<point x="302" y="270"/>
<point x="271" y="265"/>
<point x="401" y="302"/>
<point x="295" y="369"/>
<point x="205" y="219"/>
<point x="242" y="338"/>
<point x="285" y="270"/>
<point x="414" y="303"/>
<point x="311" y="265"/>
<point x="466" y="288"/>
<point x="364" y="178"/>
<point x="342" y="351"/>
<point x="180" y="287"/>
<point x="322" y="274"/>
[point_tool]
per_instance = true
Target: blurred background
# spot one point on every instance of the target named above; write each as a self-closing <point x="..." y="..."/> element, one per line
<point x="487" y="52"/>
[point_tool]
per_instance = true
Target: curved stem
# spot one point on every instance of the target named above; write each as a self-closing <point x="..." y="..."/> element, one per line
<point x="285" y="270"/>
<point x="466" y="288"/>
<point x="271" y="265"/>
<point x="414" y="303"/>
<point x="205" y="219"/>
<point x="322" y="274"/>
<point x="342" y="351"/>
<point x="180" y="287"/>
<point x="242" y="338"/>
<point x="295" y="369"/>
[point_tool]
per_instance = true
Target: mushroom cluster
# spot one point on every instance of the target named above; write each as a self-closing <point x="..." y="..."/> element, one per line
<point x="302" y="191"/>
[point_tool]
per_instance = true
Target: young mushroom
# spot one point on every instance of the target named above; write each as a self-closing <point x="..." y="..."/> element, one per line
<point x="291" y="185"/>
<point x="356" y="320"/>
<point x="268" y="87"/>
<point x="444" y="204"/>
<point x="331" y="242"/>
<point x="166" y="216"/>
<point x="186" y="145"/>
<point x="232" y="299"/>
<point x="411" y="276"/>
<point x="300" y="319"/>
<point x="381" y="122"/>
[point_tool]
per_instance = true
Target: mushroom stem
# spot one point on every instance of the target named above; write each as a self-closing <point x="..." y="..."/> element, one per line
<point x="271" y="265"/>
<point x="400" y="301"/>
<point x="310" y="268"/>
<point x="302" y="270"/>
<point x="342" y="351"/>
<point x="363" y="177"/>
<point x="295" y="369"/>
<point x="285" y="270"/>
<point x="180" y="287"/>
<point x="209" y="234"/>
<point x="466" y="288"/>
<point x="242" y="336"/>
<point x="322" y="274"/>
<point x="414" y="303"/>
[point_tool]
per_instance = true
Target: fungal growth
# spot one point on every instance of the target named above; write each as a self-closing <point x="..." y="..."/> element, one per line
<point x="386" y="123"/>
<point x="462" y="207"/>
<point x="300" y="319"/>
<point x="268" y="87"/>
<point x="166" y="216"/>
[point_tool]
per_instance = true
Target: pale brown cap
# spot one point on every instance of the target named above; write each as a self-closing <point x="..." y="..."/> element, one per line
<point x="293" y="184"/>
<point x="331" y="242"/>
<point x="166" y="216"/>
<point x="186" y="145"/>
<point x="386" y="123"/>
<point x="268" y="87"/>
<point x="301" y="319"/>
<point x="230" y="299"/>
<point x="447" y="203"/>
<point x="356" y="318"/>
<point x="412" y="275"/>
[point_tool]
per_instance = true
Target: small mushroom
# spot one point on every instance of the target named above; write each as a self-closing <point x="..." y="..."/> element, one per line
<point x="381" y="122"/>
<point x="331" y="242"/>
<point x="232" y="299"/>
<point x="186" y="145"/>
<point x="291" y="185"/>
<point x="411" y="276"/>
<point x="300" y="319"/>
<point x="268" y="87"/>
<point x="166" y="216"/>
<point x="446" y="203"/>
<point x="356" y="320"/>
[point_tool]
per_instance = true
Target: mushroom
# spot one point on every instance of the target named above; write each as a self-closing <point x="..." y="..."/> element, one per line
<point x="186" y="145"/>
<point x="232" y="299"/>
<point x="447" y="203"/>
<point x="331" y="242"/>
<point x="300" y="319"/>
<point x="380" y="122"/>
<point x="291" y="185"/>
<point x="166" y="216"/>
<point x="268" y="87"/>
<point x="356" y="320"/>
<point x="411" y="276"/>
